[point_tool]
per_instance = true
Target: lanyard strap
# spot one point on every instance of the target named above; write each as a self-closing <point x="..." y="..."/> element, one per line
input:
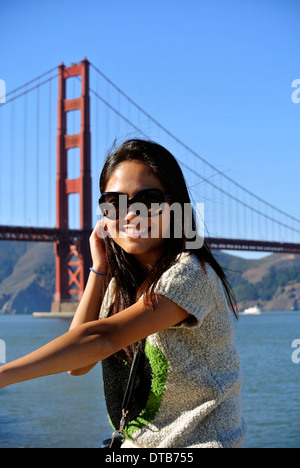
<point x="131" y="380"/>
<point x="127" y="396"/>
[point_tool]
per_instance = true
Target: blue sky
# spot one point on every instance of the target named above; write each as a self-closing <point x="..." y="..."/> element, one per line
<point x="217" y="74"/>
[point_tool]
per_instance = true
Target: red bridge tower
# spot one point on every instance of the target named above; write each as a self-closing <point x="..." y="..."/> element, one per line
<point x="73" y="258"/>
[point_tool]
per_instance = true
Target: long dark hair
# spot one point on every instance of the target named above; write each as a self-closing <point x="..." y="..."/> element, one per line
<point x="131" y="280"/>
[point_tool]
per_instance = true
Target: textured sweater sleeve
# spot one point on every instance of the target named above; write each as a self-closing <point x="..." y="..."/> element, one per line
<point x="193" y="289"/>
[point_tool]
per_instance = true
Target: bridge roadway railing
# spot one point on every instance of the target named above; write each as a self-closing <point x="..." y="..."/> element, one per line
<point x="252" y="245"/>
<point x="33" y="234"/>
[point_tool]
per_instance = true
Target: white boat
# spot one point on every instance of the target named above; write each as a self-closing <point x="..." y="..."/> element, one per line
<point x="252" y="311"/>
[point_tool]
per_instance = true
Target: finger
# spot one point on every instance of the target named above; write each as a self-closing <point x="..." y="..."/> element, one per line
<point x="101" y="229"/>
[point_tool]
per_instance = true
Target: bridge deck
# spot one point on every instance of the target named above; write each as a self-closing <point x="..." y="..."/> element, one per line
<point x="31" y="234"/>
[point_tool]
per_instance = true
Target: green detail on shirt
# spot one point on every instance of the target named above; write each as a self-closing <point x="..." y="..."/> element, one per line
<point x="160" y="368"/>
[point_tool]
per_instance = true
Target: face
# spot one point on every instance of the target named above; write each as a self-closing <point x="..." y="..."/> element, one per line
<point x="144" y="237"/>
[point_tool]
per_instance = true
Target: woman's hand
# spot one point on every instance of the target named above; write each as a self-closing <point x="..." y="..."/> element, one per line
<point x="90" y="304"/>
<point x="97" y="246"/>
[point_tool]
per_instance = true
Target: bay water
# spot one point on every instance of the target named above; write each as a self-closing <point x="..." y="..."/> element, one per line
<point x="63" y="411"/>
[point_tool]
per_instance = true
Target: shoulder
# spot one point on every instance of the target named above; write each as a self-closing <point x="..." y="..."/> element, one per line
<point x="194" y="287"/>
<point x="187" y="271"/>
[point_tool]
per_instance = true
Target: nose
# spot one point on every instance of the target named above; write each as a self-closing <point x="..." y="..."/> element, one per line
<point x="131" y="214"/>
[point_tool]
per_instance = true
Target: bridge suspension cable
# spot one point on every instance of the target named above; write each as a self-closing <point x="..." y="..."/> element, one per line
<point x="180" y="142"/>
<point x="247" y="200"/>
<point x="27" y="162"/>
<point x="26" y="178"/>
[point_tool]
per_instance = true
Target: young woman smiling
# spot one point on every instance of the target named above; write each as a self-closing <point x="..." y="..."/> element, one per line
<point x="170" y="302"/>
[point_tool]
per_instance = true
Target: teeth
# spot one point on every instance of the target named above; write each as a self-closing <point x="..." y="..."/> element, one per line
<point x="132" y="231"/>
<point x="135" y="232"/>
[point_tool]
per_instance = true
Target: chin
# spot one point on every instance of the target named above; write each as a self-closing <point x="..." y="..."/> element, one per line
<point x="138" y="246"/>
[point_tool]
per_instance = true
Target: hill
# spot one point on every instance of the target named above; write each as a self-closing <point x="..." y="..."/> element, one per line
<point x="27" y="279"/>
<point x="272" y="283"/>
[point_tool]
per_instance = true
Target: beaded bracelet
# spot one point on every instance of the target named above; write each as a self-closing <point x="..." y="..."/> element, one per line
<point x="97" y="272"/>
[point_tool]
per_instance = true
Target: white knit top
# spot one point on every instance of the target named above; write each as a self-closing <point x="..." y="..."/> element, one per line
<point x="194" y="400"/>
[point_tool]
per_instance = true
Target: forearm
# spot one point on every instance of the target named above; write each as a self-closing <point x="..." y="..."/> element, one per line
<point x="78" y="348"/>
<point x="89" y="306"/>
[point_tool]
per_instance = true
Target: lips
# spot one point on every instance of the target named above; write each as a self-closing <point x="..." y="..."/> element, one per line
<point x="134" y="232"/>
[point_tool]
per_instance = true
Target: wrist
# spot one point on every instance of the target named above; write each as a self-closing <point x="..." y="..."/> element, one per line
<point x="98" y="270"/>
<point x="99" y="265"/>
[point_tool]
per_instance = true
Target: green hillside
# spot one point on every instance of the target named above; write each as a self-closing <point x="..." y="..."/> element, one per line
<point x="273" y="282"/>
<point x="27" y="279"/>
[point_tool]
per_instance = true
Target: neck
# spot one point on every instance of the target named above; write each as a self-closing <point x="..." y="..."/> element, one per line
<point x="149" y="259"/>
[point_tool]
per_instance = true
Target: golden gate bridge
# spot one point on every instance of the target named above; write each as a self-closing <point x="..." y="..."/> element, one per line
<point x="54" y="134"/>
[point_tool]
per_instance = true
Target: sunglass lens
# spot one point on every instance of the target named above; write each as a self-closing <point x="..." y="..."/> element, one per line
<point x="109" y="206"/>
<point x="114" y="205"/>
<point x="153" y="200"/>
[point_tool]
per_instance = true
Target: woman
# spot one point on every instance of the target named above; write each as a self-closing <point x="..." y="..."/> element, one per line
<point x="152" y="292"/>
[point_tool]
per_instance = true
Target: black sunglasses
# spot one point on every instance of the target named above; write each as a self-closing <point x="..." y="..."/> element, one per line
<point x="114" y="205"/>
